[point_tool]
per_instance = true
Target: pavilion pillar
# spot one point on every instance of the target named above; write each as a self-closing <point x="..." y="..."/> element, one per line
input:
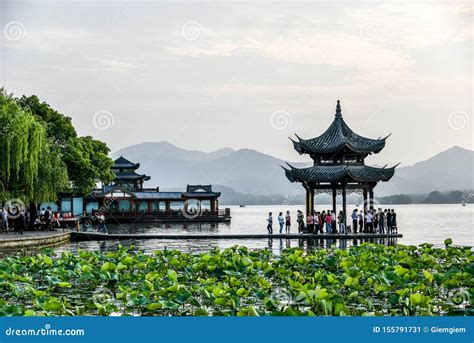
<point x="344" y="205"/>
<point x="213" y="205"/>
<point x="308" y="197"/>
<point x="371" y="198"/>
<point x="334" y="199"/>
<point x="311" y="200"/>
<point x="365" y="200"/>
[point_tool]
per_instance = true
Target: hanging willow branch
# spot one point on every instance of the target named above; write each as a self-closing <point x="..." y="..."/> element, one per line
<point x="30" y="165"/>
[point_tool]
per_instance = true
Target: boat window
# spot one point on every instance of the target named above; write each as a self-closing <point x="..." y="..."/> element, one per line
<point x="124" y="205"/>
<point x="176" y="205"/>
<point x="142" y="206"/>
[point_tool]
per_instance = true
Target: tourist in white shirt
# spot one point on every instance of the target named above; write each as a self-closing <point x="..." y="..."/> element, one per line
<point x="281" y="221"/>
<point x="368" y="221"/>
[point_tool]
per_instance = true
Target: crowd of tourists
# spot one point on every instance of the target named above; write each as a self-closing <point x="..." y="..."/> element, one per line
<point x="375" y="221"/>
<point x="16" y="219"/>
<point x="372" y="221"/>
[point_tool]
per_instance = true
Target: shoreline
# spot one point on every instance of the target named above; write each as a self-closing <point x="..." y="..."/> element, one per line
<point x="33" y="239"/>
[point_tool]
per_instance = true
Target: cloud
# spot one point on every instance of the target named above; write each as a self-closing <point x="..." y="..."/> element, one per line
<point x="113" y="64"/>
<point x="336" y="49"/>
<point x="415" y="24"/>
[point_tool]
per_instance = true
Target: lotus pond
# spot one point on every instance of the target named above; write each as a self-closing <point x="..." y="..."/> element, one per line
<point x="363" y="280"/>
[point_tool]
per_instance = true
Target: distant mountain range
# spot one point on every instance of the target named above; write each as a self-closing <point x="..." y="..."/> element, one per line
<point x="449" y="170"/>
<point x="251" y="172"/>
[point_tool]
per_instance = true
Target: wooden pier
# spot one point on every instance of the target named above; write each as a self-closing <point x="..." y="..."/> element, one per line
<point x="94" y="236"/>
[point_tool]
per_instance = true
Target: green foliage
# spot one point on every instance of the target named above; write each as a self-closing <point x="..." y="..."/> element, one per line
<point x="454" y="197"/>
<point x="367" y="280"/>
<point x="58" y="126"/>
<point x="31" y="167"/>
<point x="396" y="199"/>
<point x="88" y="162"/>
<point x="86" y="159"/>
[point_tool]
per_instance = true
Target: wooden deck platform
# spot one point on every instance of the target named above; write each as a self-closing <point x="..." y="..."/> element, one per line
<point x="94" y="236"/>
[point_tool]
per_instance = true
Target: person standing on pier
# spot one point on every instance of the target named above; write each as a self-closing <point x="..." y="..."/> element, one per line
<point x="287" y="222"/>
<point x="4" y="219"/>
<point x="281" y="221"/>
<point x="354" y="220"/>
<point x="316" y="222"/>
<point x="102" y="228"/>
<point x="328" y="223"/>
<point x="368" y="221"/>
<point x="333" y="222"/>
<point x="361" y="222"/>
<point x="389" y="221"/>
<point x="394" y="222"/>
<point x="20" y="221"/>
<point x="300" y="219"/>
<point x="341" y="220"/>
<point x="375" y="220"/>
<point x="381" y="216"/>
<point x="320" y="222"/>
<point x="309" y="222"/>
<point x="48" y="219"/>
<point x="270" y="223"/>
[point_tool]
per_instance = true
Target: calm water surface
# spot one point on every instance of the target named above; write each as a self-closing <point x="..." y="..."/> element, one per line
<point x="418" y="224"/>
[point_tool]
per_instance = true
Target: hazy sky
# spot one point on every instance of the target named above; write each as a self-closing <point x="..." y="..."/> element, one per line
<point x="207" y="75"/>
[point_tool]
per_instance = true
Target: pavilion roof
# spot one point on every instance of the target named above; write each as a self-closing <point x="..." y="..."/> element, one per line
<point x="131" y="176"/>
<point x="196" y="191"/>
<point x="338" y="136"/>
<point x="338" y="173"/>
<point x="122" y="162"/>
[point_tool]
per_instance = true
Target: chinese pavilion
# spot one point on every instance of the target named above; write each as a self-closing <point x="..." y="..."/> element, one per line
<point x="126" y="175"/>
<point x="338" y="155"/>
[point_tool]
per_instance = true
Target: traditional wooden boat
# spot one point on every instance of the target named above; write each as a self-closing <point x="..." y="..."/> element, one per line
<point x="126" y="200"/>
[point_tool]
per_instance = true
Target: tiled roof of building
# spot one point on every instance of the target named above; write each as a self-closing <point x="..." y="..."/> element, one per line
<point x="338" y="136"/>
<point x="338" y="173"/>
<point x="122" y="162"/>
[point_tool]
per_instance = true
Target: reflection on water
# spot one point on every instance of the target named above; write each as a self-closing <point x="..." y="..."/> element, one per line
<point x="276" y="245"/>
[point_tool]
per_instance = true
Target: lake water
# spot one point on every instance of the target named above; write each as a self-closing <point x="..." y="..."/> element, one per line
<point x="418" y="224"/>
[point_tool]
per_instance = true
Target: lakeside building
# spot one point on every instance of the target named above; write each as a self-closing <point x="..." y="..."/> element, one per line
<point x="126" y="200"/>
<point x="339" y="164"/>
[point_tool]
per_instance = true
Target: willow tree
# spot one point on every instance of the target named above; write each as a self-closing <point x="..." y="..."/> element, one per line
<point x="31" y="167"/>
<point x="86" y="159"/>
